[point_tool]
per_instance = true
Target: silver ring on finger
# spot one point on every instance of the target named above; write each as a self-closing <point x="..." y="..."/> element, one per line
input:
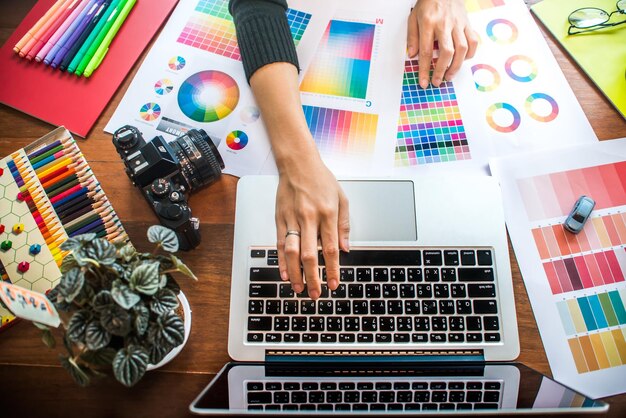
<point x="292" y="232"/>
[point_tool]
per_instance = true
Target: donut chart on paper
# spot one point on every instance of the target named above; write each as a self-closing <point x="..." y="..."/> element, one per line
<point x="164" y="86"/>
<point x="543" y="101"/>
<point x="497" y="31"/>
<point x="177" y="63"/>
<point x="237" y="140"/>
<point x="486" y="78"/>
<point x="208" y="96"/>
<point x="250" y="114"/>
<point x="150" y="111"/>
<point x="511" y="66"/>
<point x="500" y="121"/>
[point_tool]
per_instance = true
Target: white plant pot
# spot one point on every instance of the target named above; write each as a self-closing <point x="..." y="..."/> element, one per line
<point x="187" y="323"/>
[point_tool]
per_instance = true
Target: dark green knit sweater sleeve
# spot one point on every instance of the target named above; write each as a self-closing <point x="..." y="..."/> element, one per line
<point x="263" y="33"/>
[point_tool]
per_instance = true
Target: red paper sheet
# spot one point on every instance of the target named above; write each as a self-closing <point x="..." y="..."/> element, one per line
<point x="64" y="99"/>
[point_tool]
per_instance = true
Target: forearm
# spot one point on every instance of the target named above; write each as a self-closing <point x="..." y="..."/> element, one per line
<point x="275" y="87"/>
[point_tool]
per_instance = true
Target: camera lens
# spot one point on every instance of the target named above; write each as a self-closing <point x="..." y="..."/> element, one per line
<point x="200" y="162"/>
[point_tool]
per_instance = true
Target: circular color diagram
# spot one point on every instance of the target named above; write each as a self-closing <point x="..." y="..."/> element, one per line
<point x="497" y="31"/>
<point x="486" y="78"/>
<point x="237" y="140"/>
<point x="162" y="87"/>
<point x="177" y="63"/>
<point x="528" y="66"/>
<point x="547" y="106"/>
<point x="498" y="119"/>
<point x="208" y="96"/>
<point x="150" y="111"/>
<point x="250" y="114"/>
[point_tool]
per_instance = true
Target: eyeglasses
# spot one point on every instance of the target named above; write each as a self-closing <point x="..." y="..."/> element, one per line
<point x="592" y="18"/>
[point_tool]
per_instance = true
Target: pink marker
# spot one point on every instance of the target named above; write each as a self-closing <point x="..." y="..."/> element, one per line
<point x="77" y="6"/>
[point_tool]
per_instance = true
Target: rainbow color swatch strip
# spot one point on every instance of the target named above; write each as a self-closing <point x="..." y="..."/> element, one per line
<point x="593" y="312"/>
<point x="340" y="131"/>
<point x="341" y="65"/>
<point x="552" y="195"/>
<point x="600" y="350"/>
<point x="211" y="28"/>
<point x="478" y="5"/>
<point x="430" y="129"/>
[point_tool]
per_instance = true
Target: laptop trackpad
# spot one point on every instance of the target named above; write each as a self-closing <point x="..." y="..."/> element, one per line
<point x="381" y="210"/>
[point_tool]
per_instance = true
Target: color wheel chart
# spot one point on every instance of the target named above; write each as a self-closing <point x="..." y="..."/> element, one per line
<point x="341" y="65"/>
<point x="208" y="96"/>
<point x="341" y="131"/>
<point x="586" y="272"/>
<point x="211" y="28"/>
<point x="430" y="129"/>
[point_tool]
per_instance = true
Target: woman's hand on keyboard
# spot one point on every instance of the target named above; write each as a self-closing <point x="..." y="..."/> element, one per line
<point x="310" y="201"/>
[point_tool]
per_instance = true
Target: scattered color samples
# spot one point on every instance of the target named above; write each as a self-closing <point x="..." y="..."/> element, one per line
<point x="552" y="195"/>
<point x="593" y="312"/>
<point x="496" y="123"/>
<point x="600" y="350"/>
<point x="208" y="96"/>
<point x="341" y="66"/>
<point x="502" y="31"/>
<point x="237" y="140"/>
<point x="211" y="28"/>
<point x="478" y="5"/>
<point x="430" y="129"/>
<point x="545" y="116"/>
<point x="340" y="131"/>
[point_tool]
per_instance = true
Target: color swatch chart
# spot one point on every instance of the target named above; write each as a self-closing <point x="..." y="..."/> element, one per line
<point x="478" y="5"/>
<point x="341" y="65"/>
<point x="586" y="271"/>
<point x="211" y="28"/>
<point x="430" y="129"/>
<point x="340" y="131"/>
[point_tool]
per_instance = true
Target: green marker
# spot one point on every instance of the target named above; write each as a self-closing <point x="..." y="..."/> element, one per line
<point x="104" y="45"/>
<point x="92" y="36"/>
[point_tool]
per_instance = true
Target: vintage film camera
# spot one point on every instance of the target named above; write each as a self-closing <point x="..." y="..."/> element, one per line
<point x="165" y="172"/>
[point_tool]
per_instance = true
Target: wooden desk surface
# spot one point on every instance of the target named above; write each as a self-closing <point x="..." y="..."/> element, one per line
<point x="29" y="371"/>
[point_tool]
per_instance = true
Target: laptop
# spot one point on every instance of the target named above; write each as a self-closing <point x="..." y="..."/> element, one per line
<point x="423" y="319"/>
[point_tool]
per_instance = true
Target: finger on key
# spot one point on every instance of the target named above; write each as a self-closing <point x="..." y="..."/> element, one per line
<point x="281" y="231"/>
<point x="308" y="255"/>
<point x="292" y="257"/>
<point x="330" y="249"/>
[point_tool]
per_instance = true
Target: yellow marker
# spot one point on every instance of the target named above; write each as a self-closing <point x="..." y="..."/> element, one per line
<point x="18" y="228"/>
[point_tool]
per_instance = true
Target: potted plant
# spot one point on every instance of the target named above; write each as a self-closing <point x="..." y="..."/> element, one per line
<point x="119" y="307"/>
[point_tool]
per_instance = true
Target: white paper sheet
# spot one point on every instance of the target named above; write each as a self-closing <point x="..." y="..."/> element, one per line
<point x="574" y="282"/>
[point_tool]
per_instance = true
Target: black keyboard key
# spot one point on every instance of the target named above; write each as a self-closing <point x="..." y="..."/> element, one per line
<point x="369" y="323"/>
<point x="265" y="290"/>
<point x="304" y="293"/>
<point x="328" y="386"/>
<point x="299" y="397"/>
<point x="365" y="386"/>
<point x="360" y="307"/>
<point x="360" y="407"/>
<point x="438" y="338"/>
<point x="252" y="386"/>
<point x="490" y="323"/>
<point x="273" y="338"/>
<point x="372" y="291"/>
<point x="446" y="407"/>
<point x="352" y="324"/>
<point x="492" y="337"/>
<point x="386" y="396"/>
<point x="419" y="337"/>
<point x="272" y="261"/>
<point x="316" y="323"/>
<point x="481" y="290"/>
<point x="471" y="274"/>
<point x="404" y="396"/>
<point x="395" y="407"/>
<point x="414" y="274"/>
<point x="441" y="290"/>
<point x="437" y="386"/>
<point x="424" y="290"/>
<point x="272" y="253"/>
<point x="364" y="275"/>
<point x="492" y="385"/>
<point x="259" y="397"/>
<point x="290" y="307"/>
<point x="387" y="323"/>
<point x="448" y="275"/>
<point x="397" y="274"/>
<point x="292" y="338"/>
<point x="347" y="338"/>
<point x="264" y="274"/>
<point x="308" y="307"/>
<point x="377" y="307"/>
<point x="431" y="274"/>
<point x="491" y="396"/>
<point x="463" y="406"/>
<point x="286" y="291"/>
<point x="474" y="396"/>
<point x="325" y="407"/>
<point x="334" y="397"/>
<point x="486" y="406"/>
<point x="485" y="307"/>
<point x="328" y="338"/>
<point x="463" y="307"/>
<point x="421" y="324"/>
<point x="457" y="323"/>
<point x="404" y="323"/>
<point x="325" y="307"/>
<point x="407" y="291"/>
<point x="456" y="396"/>
<point x="334" y="323"/>
<point x="339" y="292"/>
<point x="402" y="338"/>
<point x="355" y="291"/>
<point x="292" y="386"/>
<point x="438" y="323"/>
<point x="342" y="307"/>
<point x="377" y="407"/>
<point x="439" y="396"/>
<point x="457" y="290"/>
<point x="412" y="307"/>
<point x="365" y="338"/>
<point x="451" y="257"/>
<point x="430" y="407"/>
<point x="310" y="338"/>
<point x="412" y="407"/>
<point x="308" y="407"/>
<point x="456" y="337"/>
<point x="380" y="258"/>
<point x="484" y="257"/>
<point x="421" y="386"/>
<point x="255" y="337"/>
<point x="432" y="258"/>
<point x="468" y="258"/>
<point x="429" y="307"/>
<point x="474" y="323"/>
<point x="257" y="253"/>
<point x="446" y="307"/>
<point x="456" y="386"/>
<point x="394" y="307"/>
<point x="384" y="337"/>
<point x="342" y="407"/>
<point x="255" y="306"/>
<point x="346" y="386"/>
<point x="310" y="386"/>
<point x="281" y="323"/>
<point x="299" y="323"/>
<point x="381" y="275"/>
<point x="402" y="386"/>
<point x="272" y="307"/>
<point x="351" y="396"/>
<point x="474" y="385"/>
<point x="390" y="290"/>
<point x="259" y="323"/>
<point x="346" y="274"/>
<point x="474" y="337"/>
<point x="281" y="397"/>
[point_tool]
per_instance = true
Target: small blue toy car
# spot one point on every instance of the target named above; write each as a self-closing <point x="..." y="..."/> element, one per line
<point x="580" y="213"/>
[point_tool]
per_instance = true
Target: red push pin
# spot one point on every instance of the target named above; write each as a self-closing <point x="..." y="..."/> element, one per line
<point x="1" y="228"/>
<point x="23" y="267"/>
<point x="20" y="197"/>
<point x="1" y="171"/>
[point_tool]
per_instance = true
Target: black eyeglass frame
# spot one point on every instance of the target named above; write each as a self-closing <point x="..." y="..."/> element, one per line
<point x="598" y="25"/>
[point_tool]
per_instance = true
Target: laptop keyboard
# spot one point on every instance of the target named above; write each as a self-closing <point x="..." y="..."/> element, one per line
<point x="387" y="295"/>
<point x="373" y="396"/>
